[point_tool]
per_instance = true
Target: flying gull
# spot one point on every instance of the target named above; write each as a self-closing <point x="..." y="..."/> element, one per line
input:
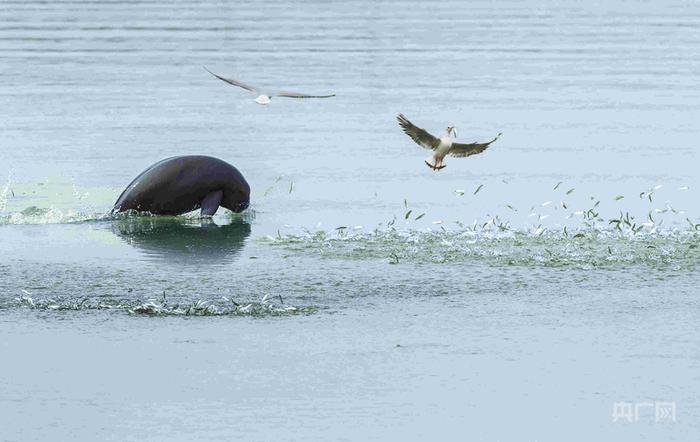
<point x="441" y="146"/>
<point x="264" y="98"/>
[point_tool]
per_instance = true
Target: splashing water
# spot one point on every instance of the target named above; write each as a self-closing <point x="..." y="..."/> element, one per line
<point x="6" y="190"/>
<point x="585" y="248"/>
<point x="50" y="201"/>
<point x="161" y="307"/>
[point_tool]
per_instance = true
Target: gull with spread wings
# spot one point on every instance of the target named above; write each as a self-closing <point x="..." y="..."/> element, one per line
<point x="264" y="98"/>
<point x="442" y="146"/>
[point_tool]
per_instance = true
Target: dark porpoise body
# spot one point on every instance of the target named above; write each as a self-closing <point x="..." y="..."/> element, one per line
<point x="178" y="185"/>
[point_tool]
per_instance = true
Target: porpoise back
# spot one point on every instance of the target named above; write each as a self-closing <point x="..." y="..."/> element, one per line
<point x="178" y="185"/>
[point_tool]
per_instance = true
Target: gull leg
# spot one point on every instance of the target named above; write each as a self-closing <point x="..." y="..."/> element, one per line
<point x="432" y="162"/>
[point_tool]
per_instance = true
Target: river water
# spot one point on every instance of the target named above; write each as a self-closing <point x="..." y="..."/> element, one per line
<point x="544" y="290"/>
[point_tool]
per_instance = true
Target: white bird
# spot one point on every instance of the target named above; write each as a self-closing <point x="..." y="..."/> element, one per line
<point x="265" y="98"/>
<point x="441" y="146"/>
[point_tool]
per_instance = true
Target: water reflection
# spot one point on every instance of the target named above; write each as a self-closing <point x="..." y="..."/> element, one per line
<point x="182" y="240"/>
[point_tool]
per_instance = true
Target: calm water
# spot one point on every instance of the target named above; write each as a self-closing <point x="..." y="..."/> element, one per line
<point x="363" y="296"/>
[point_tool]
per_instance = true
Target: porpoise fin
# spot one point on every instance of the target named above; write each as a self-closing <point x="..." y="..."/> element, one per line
<point x="211" y="202"/>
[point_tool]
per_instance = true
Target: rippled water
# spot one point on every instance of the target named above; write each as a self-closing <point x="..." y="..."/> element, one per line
<point x="514" y="295"/>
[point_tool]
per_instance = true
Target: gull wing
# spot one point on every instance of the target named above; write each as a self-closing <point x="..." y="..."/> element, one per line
<point x="300" y="95"/>
<point x="420" y="136"/>
<point x="465" y="150"/>
<point x="233" y="82"/>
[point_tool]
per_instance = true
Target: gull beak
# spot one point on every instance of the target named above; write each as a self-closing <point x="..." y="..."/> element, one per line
<point x="454" y="132"/>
